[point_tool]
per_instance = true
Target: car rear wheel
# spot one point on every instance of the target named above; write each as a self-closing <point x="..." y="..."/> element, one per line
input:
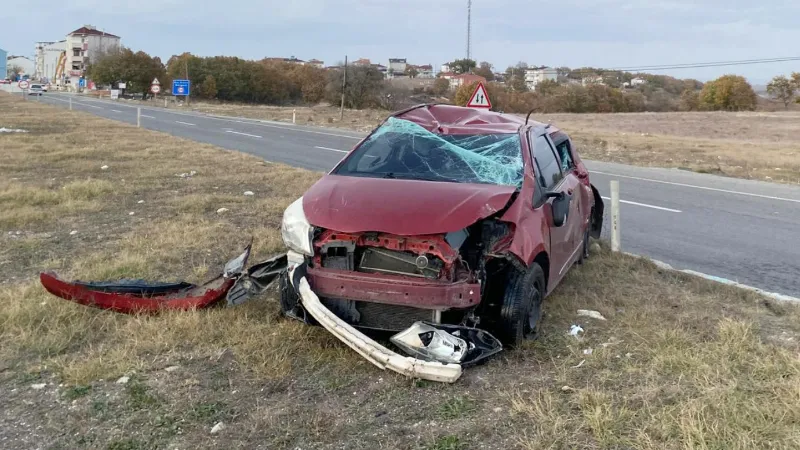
<point x="522" y="305"/>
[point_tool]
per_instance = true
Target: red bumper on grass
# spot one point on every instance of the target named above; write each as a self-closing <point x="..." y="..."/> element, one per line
<point x="193" y="298"/>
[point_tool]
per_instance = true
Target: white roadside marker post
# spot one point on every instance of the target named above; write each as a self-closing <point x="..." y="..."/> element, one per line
<point x="615" y="232"/>
<point x="70" y="103"/>
<point x="294" y="116"/>
<point x="138" y="117"/>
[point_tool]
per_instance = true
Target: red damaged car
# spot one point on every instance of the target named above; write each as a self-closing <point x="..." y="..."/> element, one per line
<point x="447" y="215"/>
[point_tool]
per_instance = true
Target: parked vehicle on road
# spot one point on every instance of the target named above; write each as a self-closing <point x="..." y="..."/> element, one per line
<point x="35" y="89"/>
<point x="447" y="215"/>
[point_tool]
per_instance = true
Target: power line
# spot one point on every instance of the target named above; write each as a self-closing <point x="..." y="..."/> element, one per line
<point x="699" y="65"/>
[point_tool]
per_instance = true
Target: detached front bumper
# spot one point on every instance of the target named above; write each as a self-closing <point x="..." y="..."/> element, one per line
<point x="371" y="350"/>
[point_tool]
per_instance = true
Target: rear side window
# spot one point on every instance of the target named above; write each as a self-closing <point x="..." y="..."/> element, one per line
<point x="549" y="168"/>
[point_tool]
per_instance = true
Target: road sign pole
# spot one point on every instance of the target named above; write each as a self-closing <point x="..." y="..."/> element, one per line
<point x="615" y="232"/>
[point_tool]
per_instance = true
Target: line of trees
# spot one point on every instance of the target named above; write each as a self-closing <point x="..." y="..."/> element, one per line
<point x="276" y="82"/>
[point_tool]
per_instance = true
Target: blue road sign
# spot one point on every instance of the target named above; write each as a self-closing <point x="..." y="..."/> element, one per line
<point x="82" y="82"/>
<point x="180" y="87"/>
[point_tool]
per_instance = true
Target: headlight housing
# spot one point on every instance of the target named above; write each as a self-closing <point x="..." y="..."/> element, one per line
<point x="295" y="229"/>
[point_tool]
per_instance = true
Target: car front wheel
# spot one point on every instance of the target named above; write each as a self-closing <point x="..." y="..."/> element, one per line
<point x="522" y="305"/>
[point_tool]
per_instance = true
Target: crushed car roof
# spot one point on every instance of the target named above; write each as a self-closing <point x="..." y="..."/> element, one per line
<point x="449" y="119"/>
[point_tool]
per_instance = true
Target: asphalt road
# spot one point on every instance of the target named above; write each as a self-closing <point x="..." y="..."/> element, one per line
<point x="746" y="231"/>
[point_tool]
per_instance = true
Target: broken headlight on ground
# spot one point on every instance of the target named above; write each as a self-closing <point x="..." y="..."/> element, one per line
<point x="452" y="344"/>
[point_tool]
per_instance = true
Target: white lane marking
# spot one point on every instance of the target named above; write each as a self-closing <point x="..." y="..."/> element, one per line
<point x="331" y="149"/>
<point x="244" y="134"/>
<point x="116" y="110"/>
<point x="661" y="208"/>
<point x="74" y="103"/>
<point x="185" y="123"/>
<point x="773" y="295"/>
<point x="701" y="187"/>
<point x="234" y="119"/>
<point x="146" y="116"/>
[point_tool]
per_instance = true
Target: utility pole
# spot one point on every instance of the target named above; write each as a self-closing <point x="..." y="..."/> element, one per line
<point x="186" y="72"/>
<point x="344" y="85"/>
<point x="469" y="29"/>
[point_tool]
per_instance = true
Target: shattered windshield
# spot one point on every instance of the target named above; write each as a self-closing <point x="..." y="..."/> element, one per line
<point x="403" y="149"/>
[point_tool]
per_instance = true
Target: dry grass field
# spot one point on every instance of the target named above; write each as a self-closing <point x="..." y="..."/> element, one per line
<point x="753" y="145"/>
<point x="680" y="363"/>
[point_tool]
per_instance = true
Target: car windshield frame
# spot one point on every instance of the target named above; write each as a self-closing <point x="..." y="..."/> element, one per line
<point x="401" y="149"/>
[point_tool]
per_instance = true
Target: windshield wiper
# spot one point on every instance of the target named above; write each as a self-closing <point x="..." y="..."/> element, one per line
<point x="408" y="176"/>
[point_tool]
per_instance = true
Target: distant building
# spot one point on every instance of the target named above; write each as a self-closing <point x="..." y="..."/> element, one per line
<point x="3" y="69"/>
<point x="456" y="81"/>
<point x="291" y="60"/>
<point x="23" y="62"/>
<point x="445" y="68"/>
<point x="48" y="55"/>
<point x="638" y="81"/>
<point x="397" y="66"/>
<point x="362" y="62"/>
<point x="316" y="63"/>
<point x="595" y="79"/>
<point x="83" y="46"/>
<point x="424" y="71"/>
<point x="536" y="75"/>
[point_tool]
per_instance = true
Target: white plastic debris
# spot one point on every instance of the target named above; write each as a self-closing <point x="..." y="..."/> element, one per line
<point x="140" y="202"/>
<point x="73" y="232"/>
<point x="588" y="351"/>
<point x="39" y="386"/>
<point x="103" y="167"/>
<point x="249" y="193"/>
<point x="132" y="213"/>
<point x="222" y="210"/>
<point x="590" y="313"/>
<point x="10" y="130"/>
<point x="124" y="380"/>
<point x="575" y="329"/>
<point x="217" y="428"/>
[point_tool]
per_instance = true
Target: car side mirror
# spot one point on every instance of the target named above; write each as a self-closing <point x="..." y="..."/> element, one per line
<point x="559" y="207"/>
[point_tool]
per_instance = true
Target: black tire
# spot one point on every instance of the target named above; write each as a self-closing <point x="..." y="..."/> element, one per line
<point x="522" y="305"/>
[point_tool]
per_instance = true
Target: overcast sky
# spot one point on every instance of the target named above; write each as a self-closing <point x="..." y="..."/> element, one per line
<point x="600" y="33"/>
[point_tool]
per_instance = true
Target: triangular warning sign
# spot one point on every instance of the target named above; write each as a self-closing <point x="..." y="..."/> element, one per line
<point x="479" y="98"/>
<point x="155" y="81"/>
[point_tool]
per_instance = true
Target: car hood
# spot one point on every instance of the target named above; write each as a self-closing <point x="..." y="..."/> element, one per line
<point x="401" y="207"/>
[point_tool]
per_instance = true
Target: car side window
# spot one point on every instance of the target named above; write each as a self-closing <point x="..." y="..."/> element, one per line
<point x="549" y="169"/>
<point x="564" y="153"/>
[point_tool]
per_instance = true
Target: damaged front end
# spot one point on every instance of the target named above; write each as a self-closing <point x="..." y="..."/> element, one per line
<point x="386" y="282"/>
<point x="429" y="290"/>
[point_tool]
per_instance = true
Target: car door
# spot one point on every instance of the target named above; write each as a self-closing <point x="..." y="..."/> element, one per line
<point x="551" y="179"/>
<point x="581" y="193"/>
